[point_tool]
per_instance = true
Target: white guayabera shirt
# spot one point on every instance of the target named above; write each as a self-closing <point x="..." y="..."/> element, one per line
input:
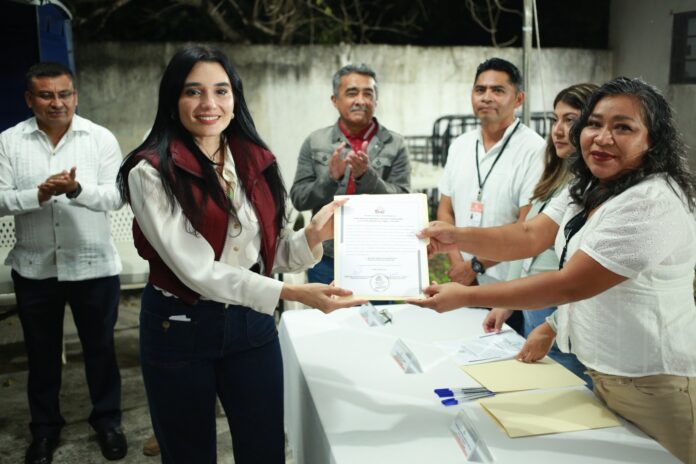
<point x="65" y="238"/>
<point x="646" y="325"/>
<point x="508" y="188"/>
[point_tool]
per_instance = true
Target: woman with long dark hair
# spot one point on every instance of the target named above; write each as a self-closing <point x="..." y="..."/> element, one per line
<point x="566" y="108"/>
<point x="625" y="236"/>
<point x="209" y="207"/>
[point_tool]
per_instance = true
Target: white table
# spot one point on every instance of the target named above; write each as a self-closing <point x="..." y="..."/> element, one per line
<point x="347" y="401"/>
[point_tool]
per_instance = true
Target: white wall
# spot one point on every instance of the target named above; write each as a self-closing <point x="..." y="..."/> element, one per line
<point x="641" y="42"/>
<point x="288" y="88"/>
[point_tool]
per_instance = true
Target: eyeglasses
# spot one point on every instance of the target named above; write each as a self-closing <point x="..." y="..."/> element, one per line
<point x="63" y="95"/>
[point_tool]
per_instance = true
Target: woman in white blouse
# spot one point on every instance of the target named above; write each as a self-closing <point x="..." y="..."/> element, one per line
<point x="626" y="241"/>
<point x="209" y="214"/>
<point x="554" y="180"/>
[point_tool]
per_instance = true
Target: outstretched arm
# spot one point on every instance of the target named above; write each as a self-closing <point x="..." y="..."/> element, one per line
<point x="503" y="243"/>
<point x="581" y="278"/>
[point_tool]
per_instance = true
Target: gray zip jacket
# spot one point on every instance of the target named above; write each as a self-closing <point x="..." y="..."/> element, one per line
<point x="389" y="170"/>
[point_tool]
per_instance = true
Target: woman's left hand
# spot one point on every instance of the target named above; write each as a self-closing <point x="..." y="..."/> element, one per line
<point x="443" y="297"/>
<point x="538" y="344"/>
<point x="325" y="298"/>
<point x="320" y="228"/>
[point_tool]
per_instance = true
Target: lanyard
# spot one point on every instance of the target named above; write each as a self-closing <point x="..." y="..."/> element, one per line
<point x="572" y="227"/>
<point x="478" y="169"/>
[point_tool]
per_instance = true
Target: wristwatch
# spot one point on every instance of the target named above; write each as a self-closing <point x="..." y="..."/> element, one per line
<point x="74" y="193"/>
<point x="476" y="266"/>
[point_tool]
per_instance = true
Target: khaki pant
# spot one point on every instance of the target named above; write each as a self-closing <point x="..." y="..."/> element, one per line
<point x="662" y="406"/>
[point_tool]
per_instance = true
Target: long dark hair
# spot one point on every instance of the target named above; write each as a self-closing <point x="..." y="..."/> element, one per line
<point x="167" y="127"/>
<point x="666" y="153"/>
<point x="556" y="172"/>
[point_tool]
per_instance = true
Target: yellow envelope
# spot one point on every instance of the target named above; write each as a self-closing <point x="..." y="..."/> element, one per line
<point x="513" y="375"/>
<point x="525" y="414"/>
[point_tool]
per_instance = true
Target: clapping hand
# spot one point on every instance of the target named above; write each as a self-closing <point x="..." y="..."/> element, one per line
<point x="337" y="165"/>
<point x="58" y="184"/>
<point x="359" y="162"/>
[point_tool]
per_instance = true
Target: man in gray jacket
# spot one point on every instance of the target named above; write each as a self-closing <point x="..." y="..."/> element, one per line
<point x="353" y="156"/>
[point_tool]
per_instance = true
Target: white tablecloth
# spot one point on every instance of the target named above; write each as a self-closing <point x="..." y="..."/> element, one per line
<point x="347" y="401"/>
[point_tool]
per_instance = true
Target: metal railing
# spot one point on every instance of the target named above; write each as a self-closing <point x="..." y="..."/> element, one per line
<point x="433" y="149"/>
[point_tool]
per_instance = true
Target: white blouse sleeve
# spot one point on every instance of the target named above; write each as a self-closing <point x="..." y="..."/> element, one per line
<point x="637" y="230"/>
<point x="558" y="205"/>
<point x="189" y="256"/>
<point x="293" y="253"/>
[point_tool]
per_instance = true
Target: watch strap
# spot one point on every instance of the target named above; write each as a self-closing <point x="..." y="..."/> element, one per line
<point x="477" y="266"/>
<point x="74" y="194"/>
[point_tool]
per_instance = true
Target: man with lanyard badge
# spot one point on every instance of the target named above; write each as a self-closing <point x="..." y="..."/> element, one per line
<point x="491" y="172"/>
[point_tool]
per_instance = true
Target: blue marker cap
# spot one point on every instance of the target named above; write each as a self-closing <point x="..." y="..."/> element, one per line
<point x="450" y="402"/>
<point x="444" y="392"/>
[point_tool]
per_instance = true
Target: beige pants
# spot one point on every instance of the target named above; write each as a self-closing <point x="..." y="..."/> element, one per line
<point x="662" y="406"/>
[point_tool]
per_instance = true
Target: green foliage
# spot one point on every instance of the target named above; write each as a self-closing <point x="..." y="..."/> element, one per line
<point x="285" y="22"/>
<point x="438" y="266"/>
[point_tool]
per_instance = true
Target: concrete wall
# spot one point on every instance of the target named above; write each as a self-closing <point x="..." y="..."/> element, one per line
<point x="641" y="41"/>
<point x="288" y="88"/>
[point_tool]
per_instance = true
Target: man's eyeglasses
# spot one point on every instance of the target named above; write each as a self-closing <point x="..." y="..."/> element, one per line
<point x="63" y="95"/>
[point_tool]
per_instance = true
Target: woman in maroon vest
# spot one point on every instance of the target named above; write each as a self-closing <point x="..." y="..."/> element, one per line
<point x="209" y="207"/>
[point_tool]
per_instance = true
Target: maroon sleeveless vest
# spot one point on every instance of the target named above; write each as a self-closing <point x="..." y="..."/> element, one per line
<point x="250" y="162"/>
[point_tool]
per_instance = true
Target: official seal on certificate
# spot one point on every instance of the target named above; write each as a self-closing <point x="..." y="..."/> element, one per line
<point x="379" y="282"/>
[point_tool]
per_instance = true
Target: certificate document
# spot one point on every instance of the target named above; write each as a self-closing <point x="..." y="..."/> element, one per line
<point x="376" y="252"/>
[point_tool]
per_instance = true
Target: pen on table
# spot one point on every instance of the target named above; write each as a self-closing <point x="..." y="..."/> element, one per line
<point x="471" y="361"/>
<point x="457" y="400"/>
<point x="449" y="392"/>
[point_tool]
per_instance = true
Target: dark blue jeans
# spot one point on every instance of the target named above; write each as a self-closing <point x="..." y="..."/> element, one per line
<point x="232" y="353"/>
<point x="322" y="272"/>
<point x="94" y="306"/>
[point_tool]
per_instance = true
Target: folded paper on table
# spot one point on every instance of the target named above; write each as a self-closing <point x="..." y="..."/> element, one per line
<point x="513" y="375"/>
<point x="486" y="348"/>
<point x="376" y="252"/>
<point x="525" y="414"/>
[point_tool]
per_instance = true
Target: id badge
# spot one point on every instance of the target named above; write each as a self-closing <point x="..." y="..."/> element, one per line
<point x="476" y="214"/>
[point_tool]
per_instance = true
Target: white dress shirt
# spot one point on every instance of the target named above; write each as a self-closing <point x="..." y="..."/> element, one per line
<point x="63" y="238"/>
<point x="645" y="325"/>
<point x="509" y="187"/>
<point x="192" y="259"/>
